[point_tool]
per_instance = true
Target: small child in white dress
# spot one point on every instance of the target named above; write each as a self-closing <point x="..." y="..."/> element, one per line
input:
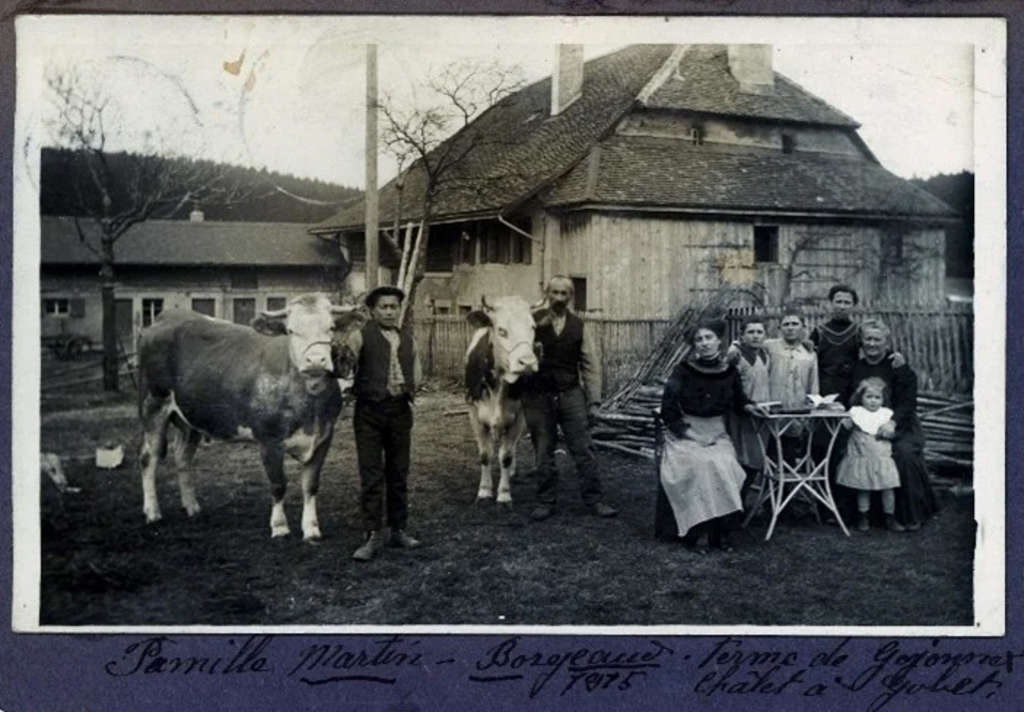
<point x="868" y="465"/>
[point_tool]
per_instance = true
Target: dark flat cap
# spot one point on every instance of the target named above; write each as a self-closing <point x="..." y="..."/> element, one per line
<point x="383" y="291"/>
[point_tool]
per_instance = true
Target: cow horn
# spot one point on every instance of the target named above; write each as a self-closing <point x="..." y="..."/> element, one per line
<point x="483" y="301"/>
<point x="342" y="308"/>
<point x="275" y="314"/>
<point x="539" y="305"/>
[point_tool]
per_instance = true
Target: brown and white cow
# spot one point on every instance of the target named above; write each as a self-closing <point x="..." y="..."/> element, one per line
<point x="274" y="382"/>
<point x="500" y="352"/>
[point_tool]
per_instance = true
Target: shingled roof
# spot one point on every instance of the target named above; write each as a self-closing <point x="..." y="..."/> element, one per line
<point x="641" y="170"/>
<point x="523" y="147"/>
<point x="576" y="158"/>
<point x="180" y="242"/>
<point x="702" y="82"/>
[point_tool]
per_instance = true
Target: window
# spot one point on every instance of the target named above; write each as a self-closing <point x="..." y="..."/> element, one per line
<point x="244" y="279"/>
<point x="243" y="310"/>
<point x="77" y="308"/>
<point x="204" y="306"/>
<point x="441" y="250"/>
<point x="766" y="243"/>
<point x="697" y="135"/>
<point x="522" y="250"/>
<point x="579" y="288"/>
<point x="151" y="309"/>
<point x="465" y="309"/>
<point x="275" y="303"/>
<point x="442" y="306"/>
<point x="788" y="143"/>
<point x="893" y="249"/>
<point x="56" y="307"/>
<point x="467" y="248"/>
<point x="496" y="246"/>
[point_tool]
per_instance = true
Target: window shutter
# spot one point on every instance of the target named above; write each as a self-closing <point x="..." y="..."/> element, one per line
<point x="77" y="308"/>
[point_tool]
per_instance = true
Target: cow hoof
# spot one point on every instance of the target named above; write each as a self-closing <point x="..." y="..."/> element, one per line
<point x="153" y="517"/>
<point x="483" y="500"/>
<point x="193" y="510"/>
<point x="505" y="505"/>
<point x="313" y="540"/>
<point x="505" y="498"/>
<point x="279" y="531"/>
<point x="312" y="536"/>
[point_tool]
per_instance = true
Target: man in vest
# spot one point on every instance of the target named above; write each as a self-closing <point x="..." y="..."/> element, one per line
<point x="387" y="369"/>
<point x="556" y="398"/>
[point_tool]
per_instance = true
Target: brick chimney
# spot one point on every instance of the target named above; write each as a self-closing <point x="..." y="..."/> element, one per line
<point x="567" y="77"/>
<point x="751" y="66"/>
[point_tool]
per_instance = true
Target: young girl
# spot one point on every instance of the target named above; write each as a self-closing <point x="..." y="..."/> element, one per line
<point x="868" y="464"/>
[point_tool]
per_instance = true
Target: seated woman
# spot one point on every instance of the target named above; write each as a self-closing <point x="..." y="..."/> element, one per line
<point x="700" y="478"/>
<point x="915" y="500"/>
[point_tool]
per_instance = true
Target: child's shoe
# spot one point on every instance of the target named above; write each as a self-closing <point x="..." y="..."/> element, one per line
<point x="892" y="525"/>
<point x="862" y="523"/>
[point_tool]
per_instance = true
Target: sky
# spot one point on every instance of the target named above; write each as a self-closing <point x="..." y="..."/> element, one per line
<point x="288" y="94"/>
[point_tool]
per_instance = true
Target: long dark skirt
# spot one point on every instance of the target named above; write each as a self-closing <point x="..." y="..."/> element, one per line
<point x="915" y="499"/>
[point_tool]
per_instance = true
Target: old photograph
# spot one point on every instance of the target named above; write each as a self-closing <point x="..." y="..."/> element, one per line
<point x="508" y="324"/>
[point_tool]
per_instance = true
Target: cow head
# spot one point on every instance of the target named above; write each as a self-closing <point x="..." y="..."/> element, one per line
<point x="511" y="335"/>
<point x="317" y="331"/>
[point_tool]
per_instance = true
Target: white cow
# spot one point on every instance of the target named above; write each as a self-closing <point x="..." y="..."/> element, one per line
<point x="502" y="350"/>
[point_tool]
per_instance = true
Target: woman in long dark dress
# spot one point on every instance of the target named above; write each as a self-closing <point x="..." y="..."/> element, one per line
<point x="915" y="500"/>
<point x="699" y="477"/>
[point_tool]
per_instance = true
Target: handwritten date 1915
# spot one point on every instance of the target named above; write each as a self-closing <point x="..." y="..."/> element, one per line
<point x="585" y="669"/>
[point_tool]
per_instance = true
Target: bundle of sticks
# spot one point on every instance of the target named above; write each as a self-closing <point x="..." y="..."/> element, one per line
<point x="626" y="420"/>
<point x="948" y="425"/>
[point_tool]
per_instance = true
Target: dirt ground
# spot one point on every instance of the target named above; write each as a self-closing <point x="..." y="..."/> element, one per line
<point x="481" y="564"/>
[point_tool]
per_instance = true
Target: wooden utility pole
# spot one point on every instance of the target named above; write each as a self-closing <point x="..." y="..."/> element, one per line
<point x="372" y="238"/>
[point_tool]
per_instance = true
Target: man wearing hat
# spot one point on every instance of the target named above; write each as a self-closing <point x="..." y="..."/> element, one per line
<point x="558" y="400"/>
<point x="387" y="369"/>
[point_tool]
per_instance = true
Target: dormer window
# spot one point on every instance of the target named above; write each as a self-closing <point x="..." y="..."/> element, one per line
<point x="788" y="142"/>
<point x="697" y="135"/>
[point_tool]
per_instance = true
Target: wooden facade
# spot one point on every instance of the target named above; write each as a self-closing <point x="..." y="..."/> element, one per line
<point x="640" y="266"/>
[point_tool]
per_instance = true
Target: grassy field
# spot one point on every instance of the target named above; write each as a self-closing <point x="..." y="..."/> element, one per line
<point x="102" y="565"/>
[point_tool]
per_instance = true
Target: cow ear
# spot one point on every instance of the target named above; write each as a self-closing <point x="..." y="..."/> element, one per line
<point x="478" y="319"/>
<point x="268" y="325"/>
<point x="353" y="318"/>
<point x="542" y="318"/>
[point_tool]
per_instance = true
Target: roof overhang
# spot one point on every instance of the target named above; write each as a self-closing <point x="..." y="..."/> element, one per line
<point x="755" y="212"/>
<point x="492" y="214"/>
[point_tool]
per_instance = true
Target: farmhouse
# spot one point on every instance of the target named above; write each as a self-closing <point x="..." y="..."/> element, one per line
<point x="229" y="270"/>
<point x="656" y="173"/>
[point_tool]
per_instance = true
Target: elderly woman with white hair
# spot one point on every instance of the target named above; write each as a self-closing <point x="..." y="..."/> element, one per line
<point x="915" y="500"/>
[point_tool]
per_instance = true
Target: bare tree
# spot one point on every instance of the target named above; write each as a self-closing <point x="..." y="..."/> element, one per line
<point x="116" y="191"/>
<point x="437" y="141"/>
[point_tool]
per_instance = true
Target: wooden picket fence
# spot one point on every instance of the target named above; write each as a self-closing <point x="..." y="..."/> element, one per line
<point x="937" y="342"/>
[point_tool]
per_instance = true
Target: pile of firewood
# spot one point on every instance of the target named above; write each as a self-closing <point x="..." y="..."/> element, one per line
<point x="626" y="420"/>
<point x="630" y="428"/>
<point x="948" y="425"/>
